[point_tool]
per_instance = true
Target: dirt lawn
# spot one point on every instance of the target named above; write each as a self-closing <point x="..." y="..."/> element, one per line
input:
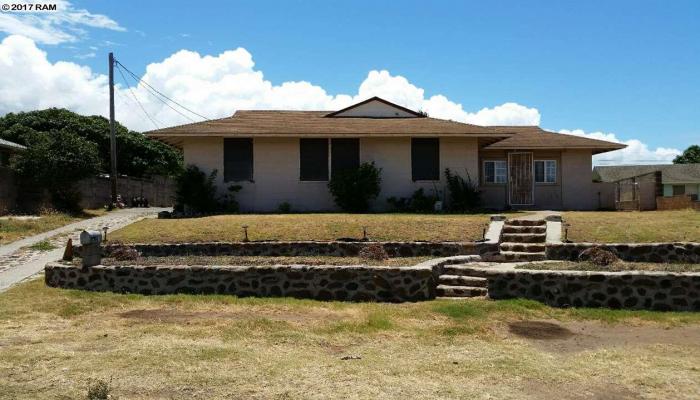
<point x="17" y="227"/>
<point x="55" y="343"/>
<point x="400" y="227"/>
<point x="633" y="226"/>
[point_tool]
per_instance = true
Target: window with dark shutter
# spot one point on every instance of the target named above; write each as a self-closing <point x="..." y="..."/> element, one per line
<point x="345" y="154"/>
<point x="313" y="163"/>
<point x="238" y="159"/>
<point x="425" y="159"/>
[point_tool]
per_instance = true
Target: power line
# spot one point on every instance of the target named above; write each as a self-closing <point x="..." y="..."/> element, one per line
<point x="128" y="101"/>
<point x="138" y="79"/>
<point x="136" y="98"/>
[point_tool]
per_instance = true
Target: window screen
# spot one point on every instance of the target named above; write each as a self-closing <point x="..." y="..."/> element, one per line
<point x="678" y="190"/>
<point x="345" y="154"/>
<point x="425" y="159"/>
<point x="313" y="154"/>
<point x="238" y="159"/>
<point x="495" y="171"/>
<point x="545" y="171"/>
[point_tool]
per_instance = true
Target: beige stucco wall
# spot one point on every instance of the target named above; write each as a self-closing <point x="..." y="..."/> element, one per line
<point x="276" y="174"/>
<point x="577" y="183"/>
<point x="276" y="170"/>
<point x="547" y="195"/>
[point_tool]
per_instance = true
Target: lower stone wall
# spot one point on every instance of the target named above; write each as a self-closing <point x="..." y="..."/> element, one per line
<point x="276" y="249"/>
<point x="351" y="283"/>
<point x="688" y="252"/>
<point x="634" y="290"/>
<point x="677" y="202"/>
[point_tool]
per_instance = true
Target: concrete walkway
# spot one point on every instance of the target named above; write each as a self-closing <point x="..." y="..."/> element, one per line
<point x="18" y="261"/>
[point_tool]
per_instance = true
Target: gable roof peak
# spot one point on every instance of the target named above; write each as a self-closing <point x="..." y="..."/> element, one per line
<point x="402" y="112"/>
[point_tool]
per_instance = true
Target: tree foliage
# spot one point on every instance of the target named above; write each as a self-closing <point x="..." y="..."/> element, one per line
<point x="691" y="155"/>
<point x="56" y="161"/>
<point x="353" y="189"/>
<point x="137" y="155"/>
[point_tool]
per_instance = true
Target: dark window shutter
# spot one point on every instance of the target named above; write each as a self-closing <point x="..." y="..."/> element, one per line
<point x="345" y="154"/>
<point x="425" y="159"/>
<point x="238" y="159"/>
<point x="313" y="163"/>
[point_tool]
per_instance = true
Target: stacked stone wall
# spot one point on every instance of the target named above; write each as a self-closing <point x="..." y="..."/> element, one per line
<point x="310" y="248"/>
<point x="663" y="291"/>
<point x="688" y="252"/>
<point x="348" y="283"/>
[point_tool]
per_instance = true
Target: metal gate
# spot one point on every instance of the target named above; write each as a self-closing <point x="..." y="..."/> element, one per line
<point x="521" y="179"/>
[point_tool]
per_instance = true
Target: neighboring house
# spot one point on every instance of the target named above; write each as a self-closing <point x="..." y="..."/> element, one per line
<point x="289" y="156"/>
<point x="7" y="148"/>
<point x="8" y="190"/>
<point x="648" y="187"/>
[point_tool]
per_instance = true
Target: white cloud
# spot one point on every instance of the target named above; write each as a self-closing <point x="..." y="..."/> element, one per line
<point x="636" y="152"/>
<point x="216" y="86"/>
<point x="53" y="27"/>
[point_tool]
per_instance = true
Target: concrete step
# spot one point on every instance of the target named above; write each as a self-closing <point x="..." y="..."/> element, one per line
<point x="513" y="256"/>
<point x="524" y="229"/>
<point x="524" y="237"/>
<point x="525" y="222"/>
<point x="460" y="291"/>
<point x="523" y="247"/>
<point x="463" y="270"/>
<point x="461" y="280"/>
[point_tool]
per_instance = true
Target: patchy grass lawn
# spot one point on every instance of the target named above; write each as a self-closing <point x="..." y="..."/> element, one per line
<point x="633" y="226"/>
<point x="264" y="260"/>
<point x="306" y="227"/>
<point x="55" y="343"/>
<point x="618" y="266"/>
<point x="15" y="228"/>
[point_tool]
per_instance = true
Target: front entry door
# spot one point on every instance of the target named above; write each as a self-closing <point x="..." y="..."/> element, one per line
<point x="520" y="179"/>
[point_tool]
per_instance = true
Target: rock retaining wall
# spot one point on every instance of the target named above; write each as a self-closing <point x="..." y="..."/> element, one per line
<point x="688" y="252"/>
<point x="353" y="283"/>
<point x="276" y="249"/>
<point x="635" y="290"/>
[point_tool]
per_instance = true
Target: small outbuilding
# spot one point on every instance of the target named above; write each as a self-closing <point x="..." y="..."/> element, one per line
<point x="651" y="187"/>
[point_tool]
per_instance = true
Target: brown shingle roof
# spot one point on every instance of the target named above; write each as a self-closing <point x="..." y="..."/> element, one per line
<point x="670" y="173"/>
<point x="534" y="137"/>
<point x="275" y="122"/>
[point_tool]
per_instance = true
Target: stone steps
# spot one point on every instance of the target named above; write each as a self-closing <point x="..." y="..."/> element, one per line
<point x="462" y="280"/>
<point x="526" y="222"/>
<point x="523" y="247"/>
<point x="524" y="237"/>
<point x="460" y="291"/>
<point x="463" y="270"/>
<point x="516" y="256"/>
<point x="524" y="229"/>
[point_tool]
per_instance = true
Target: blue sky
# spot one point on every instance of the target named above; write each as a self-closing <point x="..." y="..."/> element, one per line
<point x="623" y="68"/>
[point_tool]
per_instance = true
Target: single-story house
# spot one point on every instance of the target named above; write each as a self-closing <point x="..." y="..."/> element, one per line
<point x="649" y="187"/>
<point x="289" y="156"/>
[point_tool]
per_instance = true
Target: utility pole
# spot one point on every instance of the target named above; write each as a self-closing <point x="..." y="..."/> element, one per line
<point x="112" y="134"/>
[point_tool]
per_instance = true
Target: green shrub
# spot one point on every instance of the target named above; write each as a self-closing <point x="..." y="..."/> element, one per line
<point x="419" y="202"/>
<point x="99" y="390"/>
<point x="284" y="208"/>
<point x="196" y="193"/>
<point x="464" y="193"/>
<point x="353" y="189"/>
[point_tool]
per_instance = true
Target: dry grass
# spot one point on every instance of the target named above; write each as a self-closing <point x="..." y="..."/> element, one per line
<point x="306" y="227"/>
<point x="54" y="343"/>
<point x="12" y="228"/>
<point x="618" y="266"/>
<point x="265" y="260"/>
<point x="633" y="226"/>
